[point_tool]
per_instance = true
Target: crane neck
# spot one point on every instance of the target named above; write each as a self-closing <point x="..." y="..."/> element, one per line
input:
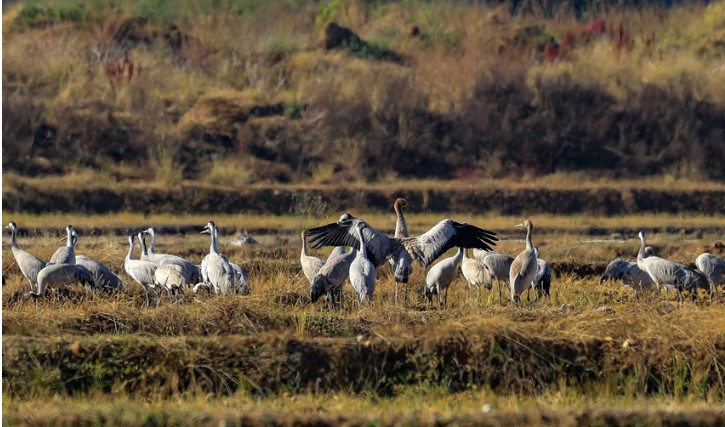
<point x="459" y="255"/>
<point x="69" y="238"/>
<point x="130" y="249"/>
<point x="142" y="241"/>
<point x="363" y="252"/>
<point x="401" y="227"/>
<point x="529" y="240"/>
<point x="642" y="253"/>
<point x="152" y="246"/>
<point x="214" y="248"/>
<point x="13" y="232"/>
<point x="304" y="245"/>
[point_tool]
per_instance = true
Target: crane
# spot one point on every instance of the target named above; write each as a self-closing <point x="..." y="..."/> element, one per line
<point x="362" y="271"/>
<point x="499" y="266"/>
<point x="476" y="274"/>
<point x="141" y="271"/>
<point x="310" y="264"/>
<point x="523" y="268"/>
<point x="65" y="254"/>
<point x="29" y="264"/>
<point x="440" y="277"/>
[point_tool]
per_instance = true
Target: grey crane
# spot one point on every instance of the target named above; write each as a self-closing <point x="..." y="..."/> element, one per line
<point x="523" y="269"/>
<point x="476" y="274"/>
<point x="54" y="275"/>
<point x="241" y="280"/>
<point x="713" y="268"/>
<point x="170" y="278"/>
<point x="331" y="278"/>
<point x="29" y="264"/>
<point x="440" y="277"/>
<point x="627" y="273"/>
<point x="499" y="266"/>
<point x="103" y="278"/>
<point x="362" y="271"/>
<point x="691" y="280"/>
<point x="240" y="283"/>
<point x="310" y="264"/>
<point x="425" y="248"/>
<point x="65" y="254"/>
<point x="189" y="270"/>
<point x="542" y="279"/>
<point x="216" y="272"/>
<point x="663" y="272"/>
<point x="402" y="266"/>
<point x="141" y="271"/>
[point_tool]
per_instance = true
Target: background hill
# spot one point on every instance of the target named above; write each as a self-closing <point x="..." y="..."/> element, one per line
<point x="242" y="92"/>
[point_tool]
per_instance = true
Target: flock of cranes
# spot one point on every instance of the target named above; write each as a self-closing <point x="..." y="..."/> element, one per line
<point x="369" y="249"/>
<point x="653" y="272"/>
<point x="155" y="273"/>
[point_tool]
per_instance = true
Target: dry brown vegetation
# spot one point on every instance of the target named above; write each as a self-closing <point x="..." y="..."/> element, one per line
<point x="590" y="353"/>
<point x="597" y="122"/>
<point x="244" y="92"/>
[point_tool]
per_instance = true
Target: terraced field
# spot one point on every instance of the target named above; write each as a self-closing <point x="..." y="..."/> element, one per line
<point x="591" y="354"/>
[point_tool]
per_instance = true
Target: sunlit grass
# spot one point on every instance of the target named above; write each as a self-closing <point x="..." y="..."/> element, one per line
<point x="415" y="406"/>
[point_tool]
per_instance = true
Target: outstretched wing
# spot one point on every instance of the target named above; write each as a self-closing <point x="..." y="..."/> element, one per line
<point x="342" y="233"/>
<point x="445" y="235"/>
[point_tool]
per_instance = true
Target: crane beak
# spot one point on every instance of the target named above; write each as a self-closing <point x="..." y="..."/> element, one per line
<point x="205" y="231"/>
<point x="520" y="225"/>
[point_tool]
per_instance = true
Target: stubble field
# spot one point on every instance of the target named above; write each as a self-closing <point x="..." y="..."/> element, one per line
<point x="591" y="354"/>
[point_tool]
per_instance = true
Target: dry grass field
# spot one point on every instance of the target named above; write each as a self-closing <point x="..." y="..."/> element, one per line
<point x="594" y="122"/>
<point x="590" y="354"/>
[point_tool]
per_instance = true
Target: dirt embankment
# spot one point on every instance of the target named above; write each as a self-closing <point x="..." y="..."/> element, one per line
<point x="188" y="199"/>
<point x="507" y="361"/>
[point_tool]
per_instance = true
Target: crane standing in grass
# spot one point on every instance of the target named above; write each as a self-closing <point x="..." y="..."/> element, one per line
<point x="29" y="264"/>
<point x="331" y="278"/>
<point x="190" y="271"/>
<point x="663" y="272"/>
<point x="402" y="266"/>
<point x="440" y="277"/>
<point x="54" y="275"/>
<point x="310" y="264"/>
<point x="713" y="268"/>
<point x="362" y="271"/>
<point x="523" y="269"/>
<point x="476" y="274"/>
<point x="141" y="271"/>
<point x="65" y="254"/>
<point x="542" y="279"/>
<point x="103" y="278"/>
<point x="499" y="266"/>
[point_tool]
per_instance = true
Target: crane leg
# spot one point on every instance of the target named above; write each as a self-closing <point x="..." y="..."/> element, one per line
<point x="499" y="291"/>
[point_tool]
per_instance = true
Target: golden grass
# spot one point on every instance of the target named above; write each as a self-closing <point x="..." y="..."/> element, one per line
<point x="424" y="407"/>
